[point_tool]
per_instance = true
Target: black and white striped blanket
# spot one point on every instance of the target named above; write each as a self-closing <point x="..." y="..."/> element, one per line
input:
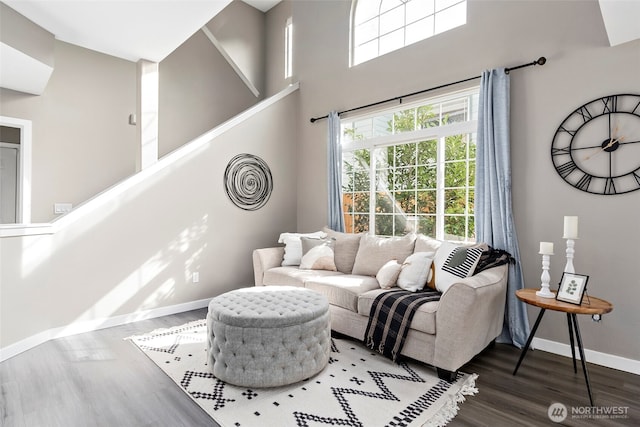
<point x="390" y="318"/>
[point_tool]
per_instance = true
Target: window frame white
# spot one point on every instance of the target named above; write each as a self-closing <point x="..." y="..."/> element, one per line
<point x="438" y="133"/>
<point x="436" y="19"/>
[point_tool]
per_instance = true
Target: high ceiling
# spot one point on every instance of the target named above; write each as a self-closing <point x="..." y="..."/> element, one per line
<point x="130" y="29"/>
<point x="263" y="5"/>
<point x="152" y="29"/>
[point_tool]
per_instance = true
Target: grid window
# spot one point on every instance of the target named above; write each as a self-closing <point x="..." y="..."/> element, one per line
<point x="417" y="175"/>
<point x="382" y="26"/>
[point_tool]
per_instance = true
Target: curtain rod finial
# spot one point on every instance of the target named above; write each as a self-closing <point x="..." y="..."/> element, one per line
<point x="312" y="120"/>
<point x="541" y="61"/>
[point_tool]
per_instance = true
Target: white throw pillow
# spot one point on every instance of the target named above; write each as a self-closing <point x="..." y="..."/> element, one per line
<point x="388" y="274"/>
<point x="415" y="271"/>
<point x="318" y="254"/>
<point x="426" y="244"/>
<point x="454" y="262"/>
<point x="293" y="246"/>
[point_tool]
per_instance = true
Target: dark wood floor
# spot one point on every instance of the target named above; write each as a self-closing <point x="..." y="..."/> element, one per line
<point x="543" y="379"/>
<point x="99" y="379"/>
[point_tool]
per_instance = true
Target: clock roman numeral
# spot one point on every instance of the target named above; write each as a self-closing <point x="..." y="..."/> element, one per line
<point x="570" y="132"/>
<point x="565" y="169"/>
<point x="610" y="104"/>
<point x="583" y="183"/>
<point x="584" y="112"/>
<point x="610" y="186"/>
<point x="560" y="151"/>
<point x="636" y="107"/>
<point x="636" y="175"/>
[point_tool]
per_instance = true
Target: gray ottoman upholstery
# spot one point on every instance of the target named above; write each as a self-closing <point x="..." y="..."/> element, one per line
<point x="268" y="336"/>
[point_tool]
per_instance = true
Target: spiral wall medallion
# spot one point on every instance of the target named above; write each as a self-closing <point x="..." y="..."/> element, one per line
<point x="248" y="182"/>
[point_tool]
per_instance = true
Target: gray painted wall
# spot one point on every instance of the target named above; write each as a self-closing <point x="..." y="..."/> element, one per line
<point x="198" y="91"/>
<point x="240" y="29"/>
<point x="276" y="19"/>
<point x="82" y="142"/>
<point x="581" y="67"/>
<point x="25" y="36"/>
<point x="138" y="251"/>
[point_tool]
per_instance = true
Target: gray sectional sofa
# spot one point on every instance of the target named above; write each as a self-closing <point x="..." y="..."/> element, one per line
<point x="445" y="333"/>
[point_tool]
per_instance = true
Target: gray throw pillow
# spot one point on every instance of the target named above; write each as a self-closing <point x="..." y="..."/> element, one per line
<point x="345" y="248"/>
<point x="375" y="251"/>
<point x="317" y="254"/>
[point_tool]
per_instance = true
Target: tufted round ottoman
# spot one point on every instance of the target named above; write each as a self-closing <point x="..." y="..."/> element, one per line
<point x="268" y="336"/>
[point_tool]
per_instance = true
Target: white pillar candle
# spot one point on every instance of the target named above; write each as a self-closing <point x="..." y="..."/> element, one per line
<point x="546" y="248"/>
<point x="570" y="227"/>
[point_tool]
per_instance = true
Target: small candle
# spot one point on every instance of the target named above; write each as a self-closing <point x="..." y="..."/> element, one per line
<point x="570" y="227"/>
<point x="546" y="248"/>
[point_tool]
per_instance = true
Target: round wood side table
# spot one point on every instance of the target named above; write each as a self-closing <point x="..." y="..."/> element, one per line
<point x="590" y="305"/>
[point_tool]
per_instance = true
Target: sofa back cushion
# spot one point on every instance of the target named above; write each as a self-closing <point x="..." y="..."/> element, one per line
<point x="345" y="249"/>
<point x="375" y="251"/>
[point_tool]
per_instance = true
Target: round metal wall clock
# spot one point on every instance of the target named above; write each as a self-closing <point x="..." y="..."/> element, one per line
<point x="597" y="147"/>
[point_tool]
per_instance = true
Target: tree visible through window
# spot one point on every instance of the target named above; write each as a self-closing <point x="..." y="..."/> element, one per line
<point x="382" y="26"/>
<point x="412" y="169"/>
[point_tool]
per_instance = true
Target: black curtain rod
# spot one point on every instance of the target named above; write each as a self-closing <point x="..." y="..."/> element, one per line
<point x="540" y="61"/>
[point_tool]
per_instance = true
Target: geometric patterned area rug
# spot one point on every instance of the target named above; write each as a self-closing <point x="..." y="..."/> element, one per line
<point x="357" y="388"/>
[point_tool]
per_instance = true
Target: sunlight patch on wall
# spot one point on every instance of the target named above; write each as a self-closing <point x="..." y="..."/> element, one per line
<point x="127" y="289"/>
<point x="36" y="250"/>
<point x="156" y="279"/>
<point x="164" y="292"/>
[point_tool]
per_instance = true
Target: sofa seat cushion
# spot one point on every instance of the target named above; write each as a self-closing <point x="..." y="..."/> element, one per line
<point x="294" y="276"/>
<point x="343" y="290"/>
<point x="424" y="320"/>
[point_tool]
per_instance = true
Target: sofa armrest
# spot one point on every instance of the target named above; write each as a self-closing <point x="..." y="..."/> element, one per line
<point x="470" y="315"/>
<point x="264" y="259"/>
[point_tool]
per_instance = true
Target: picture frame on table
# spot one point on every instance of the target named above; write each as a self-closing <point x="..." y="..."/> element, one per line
<point x="572" y="288"/>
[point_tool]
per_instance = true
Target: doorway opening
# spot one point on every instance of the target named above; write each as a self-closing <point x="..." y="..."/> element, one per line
<point x="15" y="171"/>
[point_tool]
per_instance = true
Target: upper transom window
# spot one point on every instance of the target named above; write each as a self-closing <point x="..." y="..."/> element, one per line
<point x="382" y="26"/>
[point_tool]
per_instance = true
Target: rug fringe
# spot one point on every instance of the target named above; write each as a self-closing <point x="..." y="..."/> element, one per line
<point x="450" y="409"/>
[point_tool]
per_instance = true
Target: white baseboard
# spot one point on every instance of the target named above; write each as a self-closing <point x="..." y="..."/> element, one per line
<point x="94" y="325"/>
<point x="596" y="357"/>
